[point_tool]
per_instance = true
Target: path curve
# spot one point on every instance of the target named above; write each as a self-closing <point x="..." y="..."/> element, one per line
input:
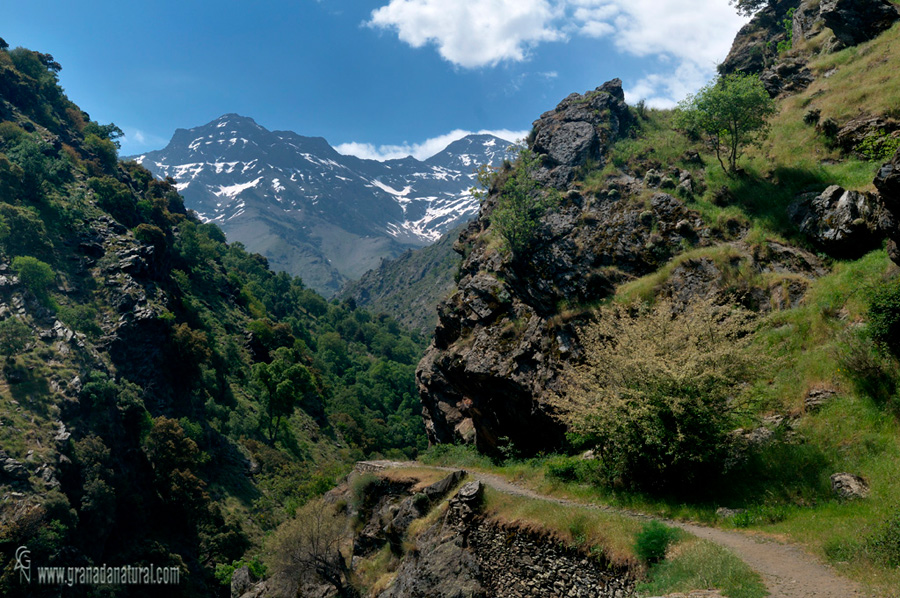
<point x="787" y="570"/>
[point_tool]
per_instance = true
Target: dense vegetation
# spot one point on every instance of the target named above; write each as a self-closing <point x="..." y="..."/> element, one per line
<point x="187" y="399"/>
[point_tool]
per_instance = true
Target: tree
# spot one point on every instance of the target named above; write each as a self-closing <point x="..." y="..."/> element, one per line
<point x="731" y="111"/>
<point x="34" y="274"/>
<point x="310" y="544"/>
<point x="283" y="383"/>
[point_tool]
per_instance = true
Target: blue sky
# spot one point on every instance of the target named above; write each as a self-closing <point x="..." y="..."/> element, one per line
<point x="377" y="78"/>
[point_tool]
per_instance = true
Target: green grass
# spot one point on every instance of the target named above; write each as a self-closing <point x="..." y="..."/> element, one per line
<point x="699" y="564"/>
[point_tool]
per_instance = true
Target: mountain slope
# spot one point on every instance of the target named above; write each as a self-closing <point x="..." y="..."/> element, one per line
<point x="312" y="211"/>
<point x="165" y="398"/>
<point x="410" y="287"/>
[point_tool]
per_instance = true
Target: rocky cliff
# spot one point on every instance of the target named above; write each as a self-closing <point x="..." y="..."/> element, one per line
<point x="512" y="326"/>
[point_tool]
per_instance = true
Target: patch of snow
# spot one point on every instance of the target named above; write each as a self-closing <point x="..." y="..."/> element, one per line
<point x="234" y="190"/>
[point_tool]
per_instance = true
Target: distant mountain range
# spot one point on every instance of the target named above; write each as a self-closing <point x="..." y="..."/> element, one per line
<point x="314" y="212"/>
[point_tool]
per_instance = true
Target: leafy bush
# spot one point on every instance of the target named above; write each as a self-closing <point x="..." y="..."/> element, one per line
<point x="14" y="335"/>
<point x="36" y="275"/>
<point x="884" y="545"/>
<point x="520" y="204"/>
<point x="653" y="541"/>
<point x="655" y="392"/>
<point x="878" y="146"/>
<point x="225" y="572"/>
<point x="884" y="316"/>
<point x="114" y="197"/>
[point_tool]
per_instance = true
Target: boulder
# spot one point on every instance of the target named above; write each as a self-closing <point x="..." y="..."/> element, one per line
<point x="816" y="398"/>
<point x="856" y="21"/>
<point x="807" y="20"/>
<point x="844" y="224"/>
<point x="857" y="130"/>
<point x="849" y="486"/>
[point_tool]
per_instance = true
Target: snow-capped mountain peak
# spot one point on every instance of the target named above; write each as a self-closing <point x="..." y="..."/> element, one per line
<point x="306" y="207"/>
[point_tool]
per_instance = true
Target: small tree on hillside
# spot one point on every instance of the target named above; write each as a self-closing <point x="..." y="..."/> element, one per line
<point x="520" y="204"/>
<point x="654" y="393"/>
<point x="309" y="545"/>
<point x="36" y="275"/>
<point x="283" y="384"/>
<point x="732" y="111"/>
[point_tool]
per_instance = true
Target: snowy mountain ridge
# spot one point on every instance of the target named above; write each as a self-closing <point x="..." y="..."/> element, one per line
<point x="315" y="212"/>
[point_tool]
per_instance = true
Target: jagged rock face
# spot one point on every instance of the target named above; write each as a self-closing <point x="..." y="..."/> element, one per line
<point x="754" y="46"/>
<point x="856" y="21"/>
<point x="845" y="224"/>
<point x="887" y="181"/>
<point x="579" y="129"/>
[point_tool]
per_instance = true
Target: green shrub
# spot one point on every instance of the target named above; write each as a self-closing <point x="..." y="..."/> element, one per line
<point x="361" y="488"/>
<point x="884" y="315"/>
<point x="14" y="335"/>
<point x="225" y="572"/>
<point x="656" y="392"/>
<point x="36" y="275"/>
<point x="884" y="545"/>
<point x="653" y="541"/>
<point x="114" y="197"/>
<point x="520" y="204"/>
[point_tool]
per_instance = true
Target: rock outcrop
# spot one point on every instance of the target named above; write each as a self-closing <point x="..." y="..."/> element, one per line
<point x="856" y="21"/>
<point x="498" y="347"/>
<point x="849" y="486"/>
<point x="844" y="224"/>
<point x="579" y="130"/>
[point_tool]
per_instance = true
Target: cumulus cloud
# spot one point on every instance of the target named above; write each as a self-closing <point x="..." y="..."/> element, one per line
<point x="420" y="151"/>
<point x="692" y="35"/>
<point x="471" y="33"/>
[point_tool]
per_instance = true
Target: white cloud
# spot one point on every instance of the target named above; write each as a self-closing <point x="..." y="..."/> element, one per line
<point x="420" y="151"/>
<point x="692" y="35"/>
<point x="135" y="141"/>
<point x="471" y="33"/>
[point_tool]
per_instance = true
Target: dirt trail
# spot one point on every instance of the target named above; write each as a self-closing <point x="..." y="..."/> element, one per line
<point x="787" y="570"/>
